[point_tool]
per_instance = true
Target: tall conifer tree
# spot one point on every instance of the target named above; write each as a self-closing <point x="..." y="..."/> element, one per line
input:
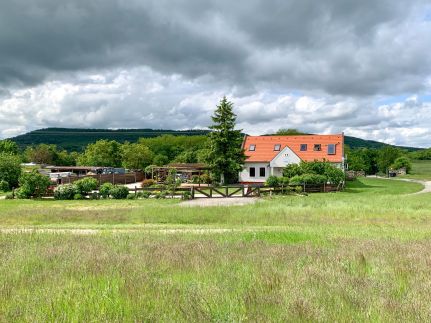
<point x="226" y="156"/>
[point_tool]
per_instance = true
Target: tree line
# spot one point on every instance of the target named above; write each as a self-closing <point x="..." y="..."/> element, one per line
<point x="220" y="149"/>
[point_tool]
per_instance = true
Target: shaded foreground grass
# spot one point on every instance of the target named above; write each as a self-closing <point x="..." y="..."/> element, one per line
<point x="360" y="255"/>
<point x="134" y="277"/>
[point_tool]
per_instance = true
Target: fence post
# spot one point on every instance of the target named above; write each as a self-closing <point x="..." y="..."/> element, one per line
<point x="304" y="187"/>
<point x="227" y="191"/>
<point x="193" y="192"/>
<point x="136" y="192"/>
<point x="211" y="191"/>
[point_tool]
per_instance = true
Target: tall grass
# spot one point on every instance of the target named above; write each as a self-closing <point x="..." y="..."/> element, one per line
<point x="133" y="277"/>
<point x="360" y="255"/>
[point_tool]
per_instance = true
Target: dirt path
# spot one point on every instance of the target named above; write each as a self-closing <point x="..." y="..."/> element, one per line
<point x="219" y="201"/>
<point x="122" y="231"/>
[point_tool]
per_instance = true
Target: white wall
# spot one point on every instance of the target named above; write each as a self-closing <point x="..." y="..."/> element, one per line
<point x="285" y="157"/>
<point x="244" y="176"/>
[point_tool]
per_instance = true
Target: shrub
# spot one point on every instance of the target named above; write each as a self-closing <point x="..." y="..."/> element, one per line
<point x="9" y="196"/>
<point x="78" y="196"/>
<point x="315" y="167"/>
<point x="160" y="195"/>
<point x="65" y="192"/>
<point x="86" y="185"/>
<point x="148" y="182"/>
<point x="307" y="179"/>
<point x="283" y="181"/>
<point x="292" y="170"/>
<point x="33" y="184"/>
<point x="298" y="189"/>
<point x="119" y="192"/>
<point x="333" y="174"/>
<point x="206" y="179"/>
<point x="132" y="196"/>
<point x="144" y="195"/>
<point x="4" y="186"/>
<point x="186" y="196"/>
<point x="401" y="162"/>
<point x="272" y="181"/>
<point x="94" y="196"/>
<point x="105" y="189"/>
<point x="21" y="194"/>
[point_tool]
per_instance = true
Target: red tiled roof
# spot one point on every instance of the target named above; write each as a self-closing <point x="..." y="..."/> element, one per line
<point x="264" y="151"/>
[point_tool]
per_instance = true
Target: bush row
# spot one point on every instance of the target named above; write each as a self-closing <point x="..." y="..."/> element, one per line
<point x="307" y="173"/>
<point x="85" y="186"/>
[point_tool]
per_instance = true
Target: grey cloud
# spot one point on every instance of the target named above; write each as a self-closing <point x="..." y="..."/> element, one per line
<point x="338" y="47"/>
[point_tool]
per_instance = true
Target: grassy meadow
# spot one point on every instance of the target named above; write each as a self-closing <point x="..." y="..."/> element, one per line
<point x="421" y="169"/>
<point x="359" y="255"/>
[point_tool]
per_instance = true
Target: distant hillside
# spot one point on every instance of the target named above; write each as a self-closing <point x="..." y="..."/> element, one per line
<point x="77" y="139"/>
<point x="354" y="142"/>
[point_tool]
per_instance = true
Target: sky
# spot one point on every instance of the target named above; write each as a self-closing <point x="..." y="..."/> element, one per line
<point x="327" y="66"/>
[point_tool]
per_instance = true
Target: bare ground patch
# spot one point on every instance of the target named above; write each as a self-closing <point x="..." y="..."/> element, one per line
<point x="205" y="202"/>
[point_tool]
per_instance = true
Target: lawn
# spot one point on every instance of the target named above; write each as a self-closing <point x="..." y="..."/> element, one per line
<point x="359" y="255"/>
<point x="421" y="169"/>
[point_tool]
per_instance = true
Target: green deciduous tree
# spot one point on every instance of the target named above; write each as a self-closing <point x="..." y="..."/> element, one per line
<point x="8" y="147"/>
<point x="386" y="157"/>
<point x="225" y="156"/>
<point x="101" y="153"/>
<point x="41" y="154"/>
<point x="136" y="156"/>
<point x="401" y="162"/>
<point x="33" y="184"/>
<point x="289" y="132"/>
<point x="10" y="169"/>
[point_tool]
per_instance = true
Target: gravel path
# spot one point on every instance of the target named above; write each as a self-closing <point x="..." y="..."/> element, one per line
<point x="426" y="184"/>
<point x="219" y="201"/>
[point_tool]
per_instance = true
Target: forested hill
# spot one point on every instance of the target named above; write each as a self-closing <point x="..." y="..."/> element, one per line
<point x="76" y="139"/>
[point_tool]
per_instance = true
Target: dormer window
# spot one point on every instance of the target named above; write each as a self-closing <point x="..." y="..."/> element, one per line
<point x="252" y="147"/>
<point x="277" y="147"/>
<point x="303" y="147"/>
<point x="317" y="147"/>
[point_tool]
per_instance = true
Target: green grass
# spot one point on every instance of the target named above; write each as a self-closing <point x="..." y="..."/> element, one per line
<point x="358" y="255"/>
<point x="421" y="169"/>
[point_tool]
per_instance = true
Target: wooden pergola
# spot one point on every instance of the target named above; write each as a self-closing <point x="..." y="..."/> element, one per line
<point x="159" y="173"/>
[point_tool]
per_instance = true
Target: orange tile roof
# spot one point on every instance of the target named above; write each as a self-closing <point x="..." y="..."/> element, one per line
<point x="265" y="147"/>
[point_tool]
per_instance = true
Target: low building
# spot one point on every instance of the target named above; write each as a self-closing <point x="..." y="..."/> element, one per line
<point x="268" y="155"/>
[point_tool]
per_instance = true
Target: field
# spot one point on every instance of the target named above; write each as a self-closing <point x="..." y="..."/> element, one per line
<point x="360" y="255"/>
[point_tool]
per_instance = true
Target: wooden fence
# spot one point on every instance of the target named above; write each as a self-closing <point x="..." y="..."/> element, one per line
<point x="240" y="190"/>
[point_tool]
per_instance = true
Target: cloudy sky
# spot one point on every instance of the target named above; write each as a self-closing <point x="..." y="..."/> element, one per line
<point x="362" y="67"/>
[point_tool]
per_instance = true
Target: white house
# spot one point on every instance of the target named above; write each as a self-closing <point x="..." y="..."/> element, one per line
<point x="268" y="155"/>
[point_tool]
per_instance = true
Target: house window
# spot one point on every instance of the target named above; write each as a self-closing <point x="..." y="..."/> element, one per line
<point x="252" y="147"/>
<point x="331" y="149"/>
<point x="317" y="147"/>
<point x="277" y="147"/>
<point x="262" y="171"/>
<point x="303" y="147"/>
<point x="252" y="172"/>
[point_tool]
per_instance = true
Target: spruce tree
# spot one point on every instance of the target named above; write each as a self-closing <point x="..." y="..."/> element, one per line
<point x="226" y="156"/>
